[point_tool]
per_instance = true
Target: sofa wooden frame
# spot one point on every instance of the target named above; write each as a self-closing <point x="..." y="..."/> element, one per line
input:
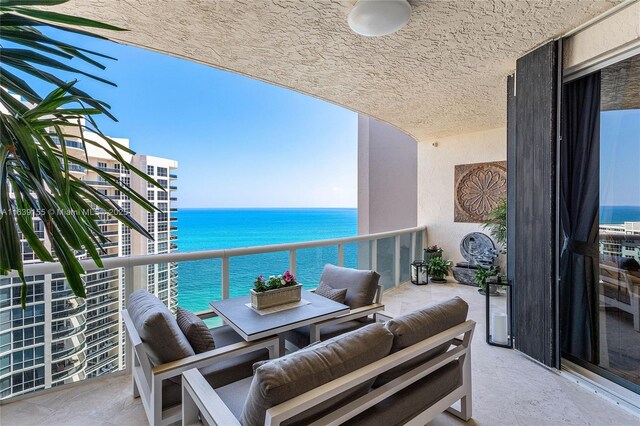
<point x="147" y="379"/>
<point x="200" y="401"/>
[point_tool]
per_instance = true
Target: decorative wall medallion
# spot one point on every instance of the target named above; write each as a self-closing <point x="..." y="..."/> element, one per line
<point x="478" y="188"/>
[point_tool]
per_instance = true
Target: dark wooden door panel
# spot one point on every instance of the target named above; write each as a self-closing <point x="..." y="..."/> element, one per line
<point x="531" y="152"/>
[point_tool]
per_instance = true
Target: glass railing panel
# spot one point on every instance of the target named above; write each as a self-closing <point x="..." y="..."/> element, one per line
<point x="310" y="263"/>
<point x="386" y="262"/>
<point x="351" y="253"/>
<point x="192" y="284"/>
<point x="243" y="270"/>
<point x="405" y="257"/>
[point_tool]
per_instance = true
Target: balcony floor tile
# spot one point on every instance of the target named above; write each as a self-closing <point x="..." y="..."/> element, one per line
<point x="509" y="388"/>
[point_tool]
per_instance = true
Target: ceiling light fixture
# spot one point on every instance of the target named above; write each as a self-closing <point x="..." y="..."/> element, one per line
<point x="374" y="18"/>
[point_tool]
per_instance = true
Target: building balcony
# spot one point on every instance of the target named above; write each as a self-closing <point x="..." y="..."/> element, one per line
<point x="63" y="370"/>
<point x="96" y="339"/>
<point x="173" y="176"/>
<point x="100" y="349"/>
<point x="72" y="307"/>
<point x="95" y="316"/>
<point x="173" y="198"/>
<point x="95" y="304"/>
<point x="97" y="183"/>
<point x="101" y="325"/>
<point x="106" y="290"/>
<point x="69" y="144"/>
<point x="173" y="188"/>
<point x="109" y="170"/>
<point x="62" y="333"/>
<point x="68" y="347"/>
<point x="95" y="365"/>
<point x="173" y="219"/>
<point x="74" y="168"/>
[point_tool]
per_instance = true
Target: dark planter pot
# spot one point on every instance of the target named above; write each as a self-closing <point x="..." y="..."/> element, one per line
<point x="430" y="255"/>
<point x="438" y="280"/>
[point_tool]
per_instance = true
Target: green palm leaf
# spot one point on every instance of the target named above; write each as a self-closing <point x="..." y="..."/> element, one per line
<point x="34" y="161"/>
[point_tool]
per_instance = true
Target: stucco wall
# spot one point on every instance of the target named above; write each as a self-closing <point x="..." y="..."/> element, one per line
<point x="387" y="177"/>
<point x="436" y="183"/>
<point x="615" y="34"/>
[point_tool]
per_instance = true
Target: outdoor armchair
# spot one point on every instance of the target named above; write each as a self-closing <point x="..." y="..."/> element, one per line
<point x="363" y="295"/>
<point x="163" y="353"/>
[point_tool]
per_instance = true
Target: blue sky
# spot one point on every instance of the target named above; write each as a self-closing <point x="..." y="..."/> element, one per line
<point x="620" y="158"/>
<point x="239" y="142"/>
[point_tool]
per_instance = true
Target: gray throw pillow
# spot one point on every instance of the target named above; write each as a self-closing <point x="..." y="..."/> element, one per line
<point x="158" y="328"/>
<point x="335" y="294"/>
<point x="195" y="330"/>
<point x="284" y="378"/>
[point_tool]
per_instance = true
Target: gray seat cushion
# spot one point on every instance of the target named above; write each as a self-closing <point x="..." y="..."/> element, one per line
<point x="398" y="409"/>
<point x="284" y="378"/>
<point x="361" y="285"/>
<point x="195" y="330"/>
<point x="300" y="337"/>
<point x="157" y="328"/>
<point x="219" y="373"/>
<point x="419" y="325"/>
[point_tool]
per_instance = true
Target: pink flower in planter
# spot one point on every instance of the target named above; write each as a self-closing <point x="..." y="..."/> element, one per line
<point x="288" y="277"/>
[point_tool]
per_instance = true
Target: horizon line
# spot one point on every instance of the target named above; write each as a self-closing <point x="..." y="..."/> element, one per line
<point x="264" y="208"/>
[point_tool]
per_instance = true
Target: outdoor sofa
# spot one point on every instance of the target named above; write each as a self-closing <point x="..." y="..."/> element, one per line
<point x="406" y="370"/>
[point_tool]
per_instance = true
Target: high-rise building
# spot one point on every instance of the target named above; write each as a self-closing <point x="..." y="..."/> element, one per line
<point x="60" y="338"/>
<point x="621" y="240"/>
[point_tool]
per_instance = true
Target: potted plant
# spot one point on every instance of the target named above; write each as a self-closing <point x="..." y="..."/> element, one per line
<point x="275" y="290"/>
<point x="431" y="252"/>
<point x="480" y="277"/>
<point x="438" y="268"/>
<point x="497" y="225"/>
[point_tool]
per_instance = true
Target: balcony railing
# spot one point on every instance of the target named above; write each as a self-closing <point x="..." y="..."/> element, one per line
<point x="390" y="253"/>
<point x="109" y="169"/>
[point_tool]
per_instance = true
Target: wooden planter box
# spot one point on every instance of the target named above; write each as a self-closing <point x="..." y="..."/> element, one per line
<point x="280" y="296"/>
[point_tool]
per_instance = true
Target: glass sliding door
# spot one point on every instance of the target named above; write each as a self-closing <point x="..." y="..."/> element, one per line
<point x="600" y="223"/>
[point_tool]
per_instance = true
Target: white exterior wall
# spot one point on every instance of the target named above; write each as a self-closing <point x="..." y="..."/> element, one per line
<point x="436" y="190"/>
<point x="387" y="177"/>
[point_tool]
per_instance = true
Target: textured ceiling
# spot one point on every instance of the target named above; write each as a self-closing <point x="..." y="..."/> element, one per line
<point x="444" y="73"/>
<point x="621" y="85"/>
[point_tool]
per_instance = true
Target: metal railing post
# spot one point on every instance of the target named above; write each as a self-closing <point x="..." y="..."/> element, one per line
<point x="292" y="261"/>
<point x="128" y="289"/>
<point x="374" y="254"/>
<point x="225" y="277"/>
<point x="414" y="241"/>
<point x="396" y="260"/>
<point x="340" y="254"/>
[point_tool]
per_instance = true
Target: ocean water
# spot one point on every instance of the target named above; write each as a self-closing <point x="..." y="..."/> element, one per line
<point x="199" y="282"/>
<point x="613" y="215"/>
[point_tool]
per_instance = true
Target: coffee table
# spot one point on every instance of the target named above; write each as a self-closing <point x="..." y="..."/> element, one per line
<point x="252" y="326"/>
